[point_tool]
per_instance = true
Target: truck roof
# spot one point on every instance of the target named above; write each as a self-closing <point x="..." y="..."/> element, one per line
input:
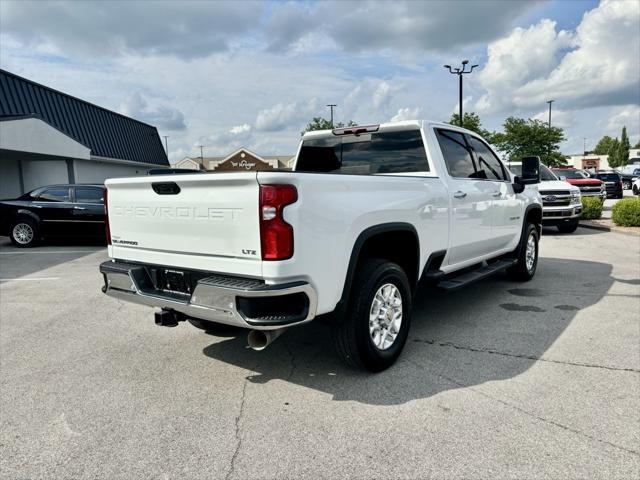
<point x="392" y="126"/>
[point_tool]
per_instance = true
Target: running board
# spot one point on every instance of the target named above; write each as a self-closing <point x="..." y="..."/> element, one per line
<point x="454" y="283"/>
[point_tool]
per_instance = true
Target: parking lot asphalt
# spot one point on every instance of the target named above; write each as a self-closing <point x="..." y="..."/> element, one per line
<point x="499" y="380"/>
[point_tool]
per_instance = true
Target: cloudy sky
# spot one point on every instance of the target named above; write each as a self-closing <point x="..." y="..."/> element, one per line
<point x="252" y="74"/>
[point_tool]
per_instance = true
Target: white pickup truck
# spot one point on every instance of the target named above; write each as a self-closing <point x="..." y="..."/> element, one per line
<point x="366" y="213"/>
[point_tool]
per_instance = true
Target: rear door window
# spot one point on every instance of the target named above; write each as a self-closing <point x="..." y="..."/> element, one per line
<point x="89" y="195"/>
<point x="54" y="194"/>
<point x="456" y="153"/>
<point x="366" y="154"/>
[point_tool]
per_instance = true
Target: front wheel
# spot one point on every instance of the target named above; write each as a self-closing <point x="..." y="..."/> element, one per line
<point x="635" y="190"/>
<point x="375" y="329"/>
<point x="568" y="227"/>
<point x="626" y="184"/>
<point x="527" y="262"/>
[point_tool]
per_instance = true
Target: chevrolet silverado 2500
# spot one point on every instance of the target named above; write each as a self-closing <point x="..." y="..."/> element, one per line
<point x="366" y="213"/>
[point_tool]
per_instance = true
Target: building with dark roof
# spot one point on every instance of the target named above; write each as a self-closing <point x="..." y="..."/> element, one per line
<point x="48" y="137"/>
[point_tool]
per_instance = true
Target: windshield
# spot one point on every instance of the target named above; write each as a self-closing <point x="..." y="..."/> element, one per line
<point x="575" y="174"/>
<point x="546" y="175"/>
<point x="609" y="177"/>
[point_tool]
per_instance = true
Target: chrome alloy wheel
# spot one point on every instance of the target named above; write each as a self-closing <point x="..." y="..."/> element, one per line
<point x="23" y="233"/>
<point x="385" y="316"/>
<point x="530" y="255"/>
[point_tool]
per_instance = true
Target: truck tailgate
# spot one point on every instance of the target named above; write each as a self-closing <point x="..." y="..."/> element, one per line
<point x="202" y="221"/>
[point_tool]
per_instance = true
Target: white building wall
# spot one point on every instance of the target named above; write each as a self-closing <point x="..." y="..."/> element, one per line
<point x="35" y="136"/>
<point x="39" y="173"/>
<point x="9" y="179"/>
<point x="93" y="171"/>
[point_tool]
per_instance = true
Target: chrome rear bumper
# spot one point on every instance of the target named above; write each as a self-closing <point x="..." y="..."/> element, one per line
<point x="218" y="298"/>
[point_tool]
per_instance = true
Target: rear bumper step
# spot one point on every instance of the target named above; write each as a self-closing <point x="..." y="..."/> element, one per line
<point x="242" y="302"/>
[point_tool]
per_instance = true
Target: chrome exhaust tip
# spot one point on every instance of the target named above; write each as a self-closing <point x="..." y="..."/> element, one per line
<point x="258" y="340"/>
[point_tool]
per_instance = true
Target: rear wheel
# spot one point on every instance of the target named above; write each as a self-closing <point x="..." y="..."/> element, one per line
<point x="525" y="267"/>
<point x="375" y="329"/>
<point x="24" y="233"/>
<point x="568" y="227"/>
<point x="635" y="190"/>
<point x="626" y="184"/>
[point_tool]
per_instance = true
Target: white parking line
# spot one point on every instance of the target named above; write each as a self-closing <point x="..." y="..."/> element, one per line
<point x="35" y="279"/>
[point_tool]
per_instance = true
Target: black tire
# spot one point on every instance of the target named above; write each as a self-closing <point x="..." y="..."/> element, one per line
<point x="20" y="230"/>
<point x="352" y="337"/>
<point x="635" y="190"/>
<point x="626" y="184"/>
<point x="520" y="272"/>
<point x="214" y="328"/>
<point x="568" y="227"/>
<point x="620" y="196"/>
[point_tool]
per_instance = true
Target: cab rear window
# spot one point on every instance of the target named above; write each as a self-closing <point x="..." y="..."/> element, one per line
<point x="366" y="154"/>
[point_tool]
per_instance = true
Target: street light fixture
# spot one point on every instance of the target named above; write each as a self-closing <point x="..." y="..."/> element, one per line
<point x="460" y="72"/>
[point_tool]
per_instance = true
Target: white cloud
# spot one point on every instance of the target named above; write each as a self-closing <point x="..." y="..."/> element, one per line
<point x="396" y="25"/>
<point x="406" y="114"/>
<point x="531" y="66"/>
<point x="381" y="96"/>
<point x="189" y="29"/>
<point x="559" y="118"/>
<point x="164" y="117"/>
<point x="283" y="115"/>
<point x="629" y="117"/>
<point x="238" y="129"/>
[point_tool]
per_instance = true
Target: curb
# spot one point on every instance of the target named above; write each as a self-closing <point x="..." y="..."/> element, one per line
<point x="595" y="226"/>
<point x="613" y="228"/>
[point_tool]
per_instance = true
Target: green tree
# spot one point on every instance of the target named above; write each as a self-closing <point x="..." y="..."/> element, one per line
<point x="613" y="153"/>
<point x="319" y="123"/>
<point x="603" y="146"/>
<point x="522" y="138"/>
<point x="471" y="121"/>
<point x="623" y="150"/>
<point x="637" y="145"/>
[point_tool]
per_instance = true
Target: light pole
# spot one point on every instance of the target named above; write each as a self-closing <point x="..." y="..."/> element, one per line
<point x="331" y="106"/>
<point x="549" y="152"/>
<point x="166" y="144"/>
<point x="584" y="145"/>
<point x="460" y="72"/>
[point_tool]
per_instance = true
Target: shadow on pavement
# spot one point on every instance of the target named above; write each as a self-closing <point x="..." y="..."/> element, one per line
<point x="21" y="262"/>
<point x="493" y="330"/>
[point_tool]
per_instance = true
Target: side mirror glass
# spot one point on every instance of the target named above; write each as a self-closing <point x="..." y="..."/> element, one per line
<point x="563" y="178"/>
<point x="530" y="171"/>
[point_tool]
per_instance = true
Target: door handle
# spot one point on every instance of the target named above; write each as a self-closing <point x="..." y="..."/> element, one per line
<point x="497" y="194"/>
<point x="79" y="208"/>
<point x="459" y="194"/>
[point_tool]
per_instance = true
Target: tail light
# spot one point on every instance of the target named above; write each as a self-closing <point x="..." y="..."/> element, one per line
<point x="106" y="217"/>
<point x="276" y="235"/>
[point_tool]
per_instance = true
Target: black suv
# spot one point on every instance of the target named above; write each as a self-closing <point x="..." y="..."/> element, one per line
<point x="612" y="182"/>
<point x="72" y="211"/>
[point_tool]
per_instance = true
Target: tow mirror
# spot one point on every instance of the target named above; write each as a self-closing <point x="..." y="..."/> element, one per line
<point x="530" y="170"/>
<point x="530" y="174"/>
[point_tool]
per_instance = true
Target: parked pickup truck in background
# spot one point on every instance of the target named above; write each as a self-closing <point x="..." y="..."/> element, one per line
<point x="561" y="201"/>
<point x="589" y="187"/>
<point x="366" y="213"/>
